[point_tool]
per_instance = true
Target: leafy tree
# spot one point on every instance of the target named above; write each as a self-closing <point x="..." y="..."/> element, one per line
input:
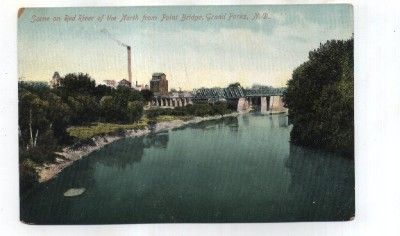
<point x="102" y="90"/>
<point x="39" y="119"/>
<point x="109" y="109"/>
<point x="77" y="84"/>
<point x="45" y="114"/>
<point x="27" y="175"/>
<point x="147" y="95"/>
<point x="234" y="85"/>
<point x="59" y="114"/>
<point x="198" y="109"/>
<point x="320" y="98"/>
<point x="220" y="108"/>
<point x="134" y="110"/>
<point x="85" y="108"/>
<point x="124" y="94"/>
<point x="121" y="97"/>
<point x="32" y="118"/>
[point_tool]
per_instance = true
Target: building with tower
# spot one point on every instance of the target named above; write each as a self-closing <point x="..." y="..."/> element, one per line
<point x="159" y="84"/>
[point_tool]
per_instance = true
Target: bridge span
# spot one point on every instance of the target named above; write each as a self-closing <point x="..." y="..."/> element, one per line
<point x="263" y="98"/>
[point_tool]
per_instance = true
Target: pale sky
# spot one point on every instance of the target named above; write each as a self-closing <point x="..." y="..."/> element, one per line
<point x="192" y="54"/>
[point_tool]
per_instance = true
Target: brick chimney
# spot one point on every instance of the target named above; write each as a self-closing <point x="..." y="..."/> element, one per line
<point x="129" y="64"/>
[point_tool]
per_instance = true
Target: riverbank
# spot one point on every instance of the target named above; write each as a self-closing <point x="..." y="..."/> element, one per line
<point x="248" y="160"/>
<point x="74" y="153"/>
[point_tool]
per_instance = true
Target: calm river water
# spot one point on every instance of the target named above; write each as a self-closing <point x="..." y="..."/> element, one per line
<point x="237" y="169"/>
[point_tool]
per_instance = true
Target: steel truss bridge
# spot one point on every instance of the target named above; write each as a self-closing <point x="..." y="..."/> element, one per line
<point x="216" y="94"/>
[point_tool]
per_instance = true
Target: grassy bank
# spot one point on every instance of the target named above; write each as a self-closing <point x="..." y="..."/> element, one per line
<point x="98" y="128"/>
<point x="40" y="157"/>
<point x="152" y="116"/>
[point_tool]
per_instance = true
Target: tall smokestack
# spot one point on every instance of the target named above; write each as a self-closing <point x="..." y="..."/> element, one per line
<point x="129" y="64"/>
<point x="105" y="31"/>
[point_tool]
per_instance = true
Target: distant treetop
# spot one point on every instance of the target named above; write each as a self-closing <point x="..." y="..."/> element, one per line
<point x="237" y="84"/>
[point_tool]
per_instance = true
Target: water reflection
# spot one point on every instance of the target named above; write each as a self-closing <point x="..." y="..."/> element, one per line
<point x="274" y="120"/>
<point x="320" y="180"/>
<point x="129" y="151"/>
<point x="47" y="205"/>
<point x="230" y="121"/>
<point x="236" y="169"/>
<point x="159" y="140"/>
<point x="246" y="120"/>
<point x="283" y="121"/>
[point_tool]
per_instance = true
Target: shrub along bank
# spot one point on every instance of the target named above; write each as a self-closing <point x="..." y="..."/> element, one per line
<point x="197" y="109"/>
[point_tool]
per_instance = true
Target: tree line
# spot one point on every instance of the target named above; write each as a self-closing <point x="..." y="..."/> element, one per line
<point x="320" y="98"/>
<point x="45" y="113"/>
<point x="197" y="109"/>
<point x="75" y="101"/>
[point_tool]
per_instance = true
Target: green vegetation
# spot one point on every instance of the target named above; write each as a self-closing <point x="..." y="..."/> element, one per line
<point x="152" y="116"/>
<point x="320" y="98"/>
<point x="166" y="118"/>
<point x="28" y="174"/>
<point x="198" y="109"/>
<point x="76" y="110"/>
<point x="98" y="128"/>
<point x="85" y="132"/>
<point x="45" y="114"/>
<point x="234" y="85"/>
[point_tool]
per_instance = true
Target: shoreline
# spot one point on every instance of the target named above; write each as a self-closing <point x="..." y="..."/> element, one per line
<point x="69" y="154"/>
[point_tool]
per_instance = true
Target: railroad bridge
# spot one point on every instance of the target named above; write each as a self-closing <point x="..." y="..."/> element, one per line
<point x="261" y="98"/>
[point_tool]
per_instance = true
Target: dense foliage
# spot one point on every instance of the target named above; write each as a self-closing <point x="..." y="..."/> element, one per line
<point x="75" y="110"/>
<point x="198" y="109"/>
<point x="320" y="98"/>
<point x="45" y="114"/>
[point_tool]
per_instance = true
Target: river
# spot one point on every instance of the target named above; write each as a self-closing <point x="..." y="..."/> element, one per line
<point x="237" y="169"/>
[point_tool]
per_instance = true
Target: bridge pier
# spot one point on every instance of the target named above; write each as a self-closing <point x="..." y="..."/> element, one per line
<point x="170" y="101"/>
<point x="271" y="103"/>
<point x="264" y="106"/>
<point x="243" y="105"/>
<point x="250" y="100"/>
<point x="276" y="104"/>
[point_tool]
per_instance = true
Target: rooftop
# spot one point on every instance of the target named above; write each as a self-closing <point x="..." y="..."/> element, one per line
<point x="124" y="81"/>
<point x="158" y="74"/>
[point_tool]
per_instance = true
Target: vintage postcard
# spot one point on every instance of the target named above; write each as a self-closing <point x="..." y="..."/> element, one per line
<point x="186" y="114"/>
